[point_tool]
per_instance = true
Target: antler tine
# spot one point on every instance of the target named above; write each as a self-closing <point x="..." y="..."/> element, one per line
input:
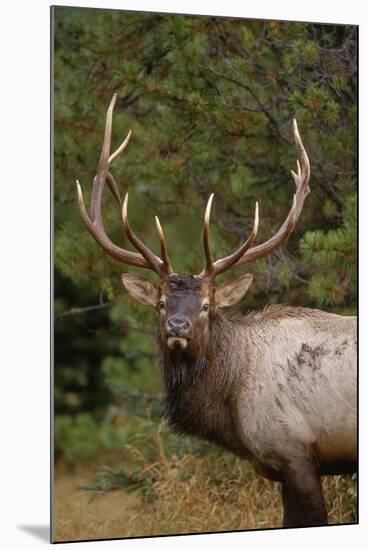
<point x="82" y="207"/>
<point x="158" y="265"/>
<point x="121" y="148"/>
<point x="105" y="152"/>
<point x="215" y="268"/>
<point x="106" y="159"/>
<point x="303" y="161"/>
<point x="301" y="179"/>
<point x="245" y="253"/>
<point x="109" y="177"/>
<point x="101" y="238"/>
<point x="113" y="187"/>
<point x="208" y="269"/>
<point x="94" y="221"/>
<point x="164" y="253"/>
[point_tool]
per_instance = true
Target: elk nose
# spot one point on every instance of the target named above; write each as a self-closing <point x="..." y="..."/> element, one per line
<point x="177" y="325"/>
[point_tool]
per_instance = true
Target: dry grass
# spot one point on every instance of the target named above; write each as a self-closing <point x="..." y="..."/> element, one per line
<point x="79" y="515"/>
<point x="191" y="494"/>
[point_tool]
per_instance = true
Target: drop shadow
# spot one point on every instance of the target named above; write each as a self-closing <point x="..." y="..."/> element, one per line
<point x="41" y="532"/>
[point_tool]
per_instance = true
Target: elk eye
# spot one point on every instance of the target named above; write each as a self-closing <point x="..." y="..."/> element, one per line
<point x="206" y="307"/>
<point x="161" y="305"/>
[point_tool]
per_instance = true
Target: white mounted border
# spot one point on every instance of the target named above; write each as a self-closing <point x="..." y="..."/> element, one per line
<point x="25" y="275"/>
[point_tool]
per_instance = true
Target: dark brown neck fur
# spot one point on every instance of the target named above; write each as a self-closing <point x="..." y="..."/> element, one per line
<point x="198" y="392"/>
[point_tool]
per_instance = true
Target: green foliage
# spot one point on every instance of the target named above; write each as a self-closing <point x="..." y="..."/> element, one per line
<point x="82" y="436"/>
<point x="210" y="102"/>
<point x="335" y="250"/>
<point x="108" y="479"/>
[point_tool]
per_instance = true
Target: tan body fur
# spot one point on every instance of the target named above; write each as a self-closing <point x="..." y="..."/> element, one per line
<point x="298" y="386"/>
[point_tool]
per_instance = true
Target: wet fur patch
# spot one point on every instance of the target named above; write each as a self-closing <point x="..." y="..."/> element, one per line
<point x="311" y="356"/>
<point x="341" y="348"/>
<point x="279" y="404"/>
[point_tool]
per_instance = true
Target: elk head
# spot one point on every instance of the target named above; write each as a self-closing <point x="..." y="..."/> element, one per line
<point x="184" y="303"/>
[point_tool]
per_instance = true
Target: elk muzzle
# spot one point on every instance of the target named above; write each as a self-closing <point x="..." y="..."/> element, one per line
<point x="178" y="331"/>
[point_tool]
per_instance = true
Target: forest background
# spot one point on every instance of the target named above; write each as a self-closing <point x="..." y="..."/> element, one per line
<point x="210" y="101"/>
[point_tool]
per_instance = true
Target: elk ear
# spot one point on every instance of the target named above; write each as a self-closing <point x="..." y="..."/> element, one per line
<point x="229" y="293"/>
<point x="140" y="289"/>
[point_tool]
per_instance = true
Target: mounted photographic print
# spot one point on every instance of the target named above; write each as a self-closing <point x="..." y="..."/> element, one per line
<point x="205" y="281"/>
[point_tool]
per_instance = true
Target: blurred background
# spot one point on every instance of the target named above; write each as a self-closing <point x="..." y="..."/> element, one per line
<point x="210" y="102"/>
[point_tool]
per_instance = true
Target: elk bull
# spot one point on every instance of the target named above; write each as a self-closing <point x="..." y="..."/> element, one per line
<point x="276" y="387"/>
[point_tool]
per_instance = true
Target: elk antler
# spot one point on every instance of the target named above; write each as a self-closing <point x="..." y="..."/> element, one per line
<point x="246" y="254"/>
<point x="93" y="220"/>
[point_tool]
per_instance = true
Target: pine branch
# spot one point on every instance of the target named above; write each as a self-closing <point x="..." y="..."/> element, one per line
<point x="81" y="310"/>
